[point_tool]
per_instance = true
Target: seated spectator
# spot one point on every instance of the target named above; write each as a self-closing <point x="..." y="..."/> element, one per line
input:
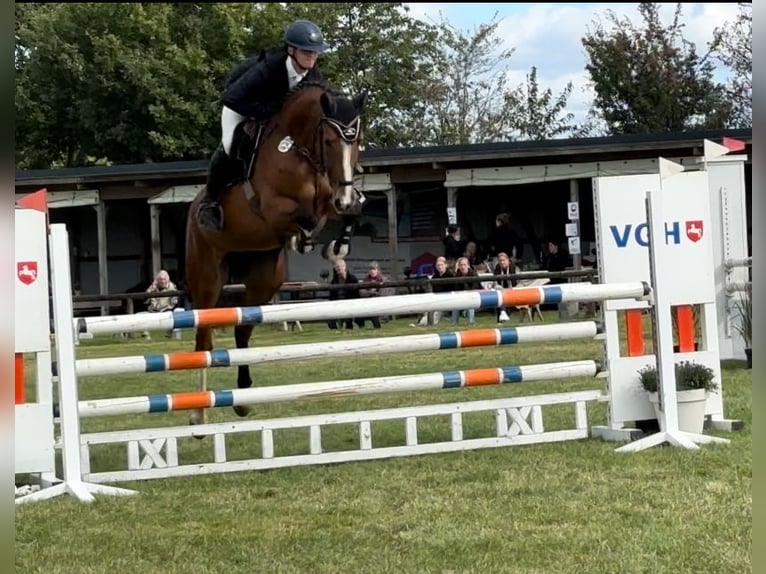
<point x="504" y="266"/>
<point x="554" y="259"/>
<point x="341" y="276"/>
<point x="373" y="276"/>
<point x="471" y="253"/>
<point x="464" y="269"/>
<point x="440" y="271"/>
<point x="161" y="303"/>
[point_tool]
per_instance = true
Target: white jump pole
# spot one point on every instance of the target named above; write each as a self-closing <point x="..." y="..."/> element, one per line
<point x="394" y="305"/>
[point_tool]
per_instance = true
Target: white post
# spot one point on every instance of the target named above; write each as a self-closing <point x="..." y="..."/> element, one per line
<point x="661" y="276"/>
<point x="68" y="400"/>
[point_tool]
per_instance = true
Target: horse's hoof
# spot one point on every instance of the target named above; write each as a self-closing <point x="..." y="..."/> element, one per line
<point x="242" y="410"/>
<point x="197" y="420"/>
<point x="334" y="251"/>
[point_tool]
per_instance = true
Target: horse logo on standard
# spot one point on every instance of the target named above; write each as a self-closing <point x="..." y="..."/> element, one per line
<point x="26" y="271"/>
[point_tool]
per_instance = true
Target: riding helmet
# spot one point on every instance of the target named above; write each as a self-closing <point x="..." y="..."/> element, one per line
<point x="305" y="35"/>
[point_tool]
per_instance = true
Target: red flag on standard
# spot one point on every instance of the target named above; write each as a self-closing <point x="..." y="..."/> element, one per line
<point x="37" y="200"/>
<point x="733" y="145"/>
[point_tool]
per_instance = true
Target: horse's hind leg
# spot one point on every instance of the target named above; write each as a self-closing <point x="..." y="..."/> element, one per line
<point x="264" y="278"/>
<point x="204" y="278"/>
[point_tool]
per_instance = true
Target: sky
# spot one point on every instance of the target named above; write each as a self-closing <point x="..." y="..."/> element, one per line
<point x="548" y="35"/>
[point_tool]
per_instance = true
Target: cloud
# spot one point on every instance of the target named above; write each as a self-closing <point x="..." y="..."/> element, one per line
<point x="549" y="35"/>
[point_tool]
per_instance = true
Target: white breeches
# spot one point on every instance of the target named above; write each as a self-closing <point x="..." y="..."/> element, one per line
<point x="229" y="122"/>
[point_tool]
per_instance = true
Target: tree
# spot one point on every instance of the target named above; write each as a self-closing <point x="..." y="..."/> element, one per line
<point x="651" y="79"/>
<point x="536" y="115"/>
<point x="732" y="45"/>
<point x="465" y="99"/>
<point x="123" y="83"/>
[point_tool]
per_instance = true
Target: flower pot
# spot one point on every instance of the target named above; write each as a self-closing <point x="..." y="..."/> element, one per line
<point x="691" y="409"/>
<point x="749" y="355"/>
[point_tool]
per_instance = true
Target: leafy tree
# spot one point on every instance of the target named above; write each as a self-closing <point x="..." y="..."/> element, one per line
<point x="733" y="46"/>
<point x="465" y="99"/>
<point x="123" y="83"/>
<point x="651" y="79"/>
<point x="537" y="115"/>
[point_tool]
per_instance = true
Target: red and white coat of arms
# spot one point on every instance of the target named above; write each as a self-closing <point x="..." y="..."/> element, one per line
<point x="26" y="271"/>
<point x="694" y="230"/>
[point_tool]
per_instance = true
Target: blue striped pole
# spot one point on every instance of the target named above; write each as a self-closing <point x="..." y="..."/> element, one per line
<point x="377" y="345"/>
<point x="322" y="390"/>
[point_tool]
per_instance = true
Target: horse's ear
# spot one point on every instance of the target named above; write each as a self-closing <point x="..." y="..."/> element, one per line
<point x="360" y="100"/>
<point x="328" y="104"/>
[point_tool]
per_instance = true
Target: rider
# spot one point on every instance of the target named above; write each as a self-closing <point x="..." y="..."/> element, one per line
<point x="254" y="90"/>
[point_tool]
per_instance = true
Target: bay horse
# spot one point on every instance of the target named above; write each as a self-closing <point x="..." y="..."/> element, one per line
<point x="301" y="178"/>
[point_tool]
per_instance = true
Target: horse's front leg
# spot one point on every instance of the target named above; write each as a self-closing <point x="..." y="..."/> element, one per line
<point x="242" y="335"/>
<point x="341" y="247"/>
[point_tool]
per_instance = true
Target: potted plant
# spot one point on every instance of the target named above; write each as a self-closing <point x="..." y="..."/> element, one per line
<point x="693" y="382"/>
<point x="745" y="324"/>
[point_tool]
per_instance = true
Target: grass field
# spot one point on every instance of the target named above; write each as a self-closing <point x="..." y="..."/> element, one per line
<point x="574" y="507"/>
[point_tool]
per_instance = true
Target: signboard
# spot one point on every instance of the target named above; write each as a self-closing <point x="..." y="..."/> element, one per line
<point x="624" y="234"/>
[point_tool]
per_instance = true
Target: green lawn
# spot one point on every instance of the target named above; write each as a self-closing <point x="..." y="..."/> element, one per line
<point x="566" y="507"/>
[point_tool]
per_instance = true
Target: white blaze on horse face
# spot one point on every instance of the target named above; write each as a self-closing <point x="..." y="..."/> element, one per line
<point x="347" y="195"/>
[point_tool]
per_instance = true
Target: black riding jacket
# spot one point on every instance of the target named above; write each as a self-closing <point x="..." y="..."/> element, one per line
<point x="256" y="87"/>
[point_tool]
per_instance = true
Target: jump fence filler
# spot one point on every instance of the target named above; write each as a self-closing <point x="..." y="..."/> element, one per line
<point x="678" y="271"/>
<point x="694" y="221"/>
<point x="153" y="453"/>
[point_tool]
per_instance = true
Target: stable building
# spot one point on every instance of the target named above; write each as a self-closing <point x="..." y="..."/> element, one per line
<point x="128" y="221"/>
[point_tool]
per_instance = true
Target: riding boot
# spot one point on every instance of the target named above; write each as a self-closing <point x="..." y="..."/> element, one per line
<point x="222" y="172"/>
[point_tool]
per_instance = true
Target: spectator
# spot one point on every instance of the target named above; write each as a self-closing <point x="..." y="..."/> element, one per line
<point x="373" y="276"/>
<point x="554" y="260"/>
<point x="440" y="271"/>
<point x="453" y="246"/>
<point x="503" y="239"/>
<point x="471" y="253"/>
<point x="504" y="266"/>
<point x="341" y="276"/>
<point x="464" y="269"/>
<point x="161" y="303"/>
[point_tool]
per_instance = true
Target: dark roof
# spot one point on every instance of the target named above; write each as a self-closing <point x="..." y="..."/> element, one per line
<point x="405" y="155"/>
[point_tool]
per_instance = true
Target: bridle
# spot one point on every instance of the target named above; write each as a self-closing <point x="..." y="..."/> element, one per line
<point x="347" y="132"/>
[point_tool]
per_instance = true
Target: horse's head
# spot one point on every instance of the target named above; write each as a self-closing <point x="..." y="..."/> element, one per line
<point x="330" y="134"/>
<point x="341" y="133"/>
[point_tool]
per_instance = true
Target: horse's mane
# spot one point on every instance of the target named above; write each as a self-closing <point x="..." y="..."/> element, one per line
<point x="305" y="84"/>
